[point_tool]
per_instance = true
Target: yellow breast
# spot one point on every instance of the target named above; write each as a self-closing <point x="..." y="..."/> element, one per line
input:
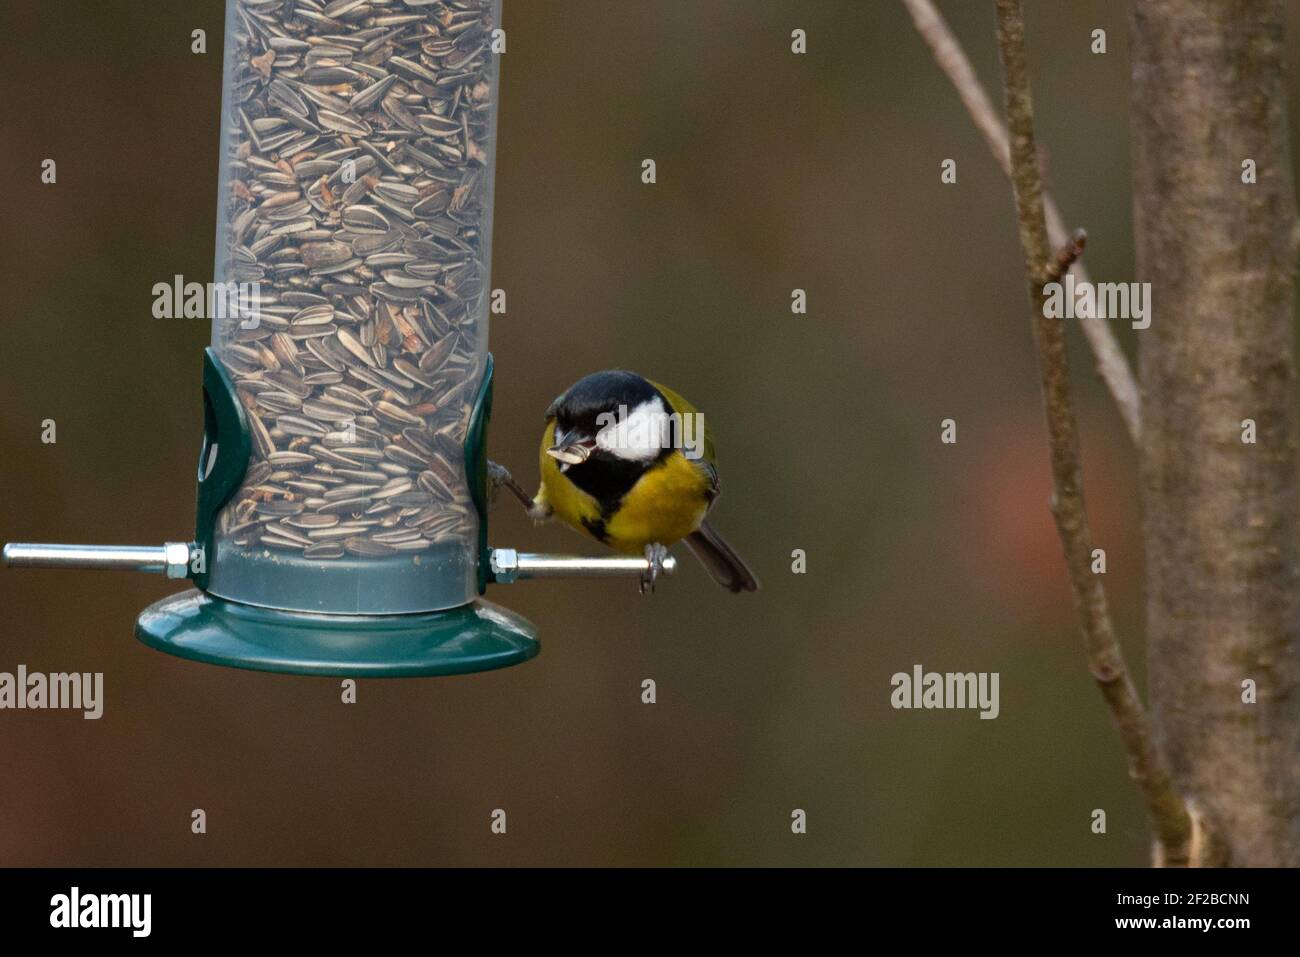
<point x="665" y="505"/>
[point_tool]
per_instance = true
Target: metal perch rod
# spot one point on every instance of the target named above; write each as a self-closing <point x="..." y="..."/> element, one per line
<point x="159" y="559"/>
<point x="173" y="560"/>
<point x="509" y="565"/>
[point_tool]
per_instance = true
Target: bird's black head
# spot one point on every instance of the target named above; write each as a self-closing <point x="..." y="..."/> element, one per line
<point x="601" y="394"/>
<point x="609" y="428"/>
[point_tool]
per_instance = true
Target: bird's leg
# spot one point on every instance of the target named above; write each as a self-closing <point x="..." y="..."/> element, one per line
<point x="498" y="477"/>
<point x="654" y="556"/>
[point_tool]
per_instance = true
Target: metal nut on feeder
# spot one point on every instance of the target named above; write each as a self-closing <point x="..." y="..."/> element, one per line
<point x="341" y="523"/>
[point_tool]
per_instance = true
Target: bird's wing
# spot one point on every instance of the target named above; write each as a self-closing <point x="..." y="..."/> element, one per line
<point x="711" y="473"/>
<point x="707" y="462"/>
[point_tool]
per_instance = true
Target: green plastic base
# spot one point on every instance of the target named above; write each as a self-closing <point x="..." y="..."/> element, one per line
<point x="479" y="636"/>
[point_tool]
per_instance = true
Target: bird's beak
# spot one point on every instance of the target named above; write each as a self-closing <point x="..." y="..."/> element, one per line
<point x="571" y="451"/>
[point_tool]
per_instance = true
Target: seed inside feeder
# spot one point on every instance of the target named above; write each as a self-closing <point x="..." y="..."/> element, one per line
<point x="356" y="194"/>
<point x="354" y="199"/>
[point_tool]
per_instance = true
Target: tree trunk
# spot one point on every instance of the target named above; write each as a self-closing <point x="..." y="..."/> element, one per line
<point x="1219" y="514"/>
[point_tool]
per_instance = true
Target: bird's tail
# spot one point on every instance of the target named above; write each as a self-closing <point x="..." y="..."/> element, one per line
<point x="723" y="564"/>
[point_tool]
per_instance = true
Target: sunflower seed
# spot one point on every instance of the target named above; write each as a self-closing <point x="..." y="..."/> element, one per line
<point x="289" y="459"/>
<point x="313" y="520"/>
<point x="366" y="547"/>
<point x="343" y="123"/>
<point x="279" y="508"/>
<point x="372" y="94"/>
<point x="323" y="550"/>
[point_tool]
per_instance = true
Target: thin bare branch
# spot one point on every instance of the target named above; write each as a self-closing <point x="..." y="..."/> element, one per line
<point x="1068" y="256"/>
<point x="1111" y="363"/>
<point x="1169" y="816"/>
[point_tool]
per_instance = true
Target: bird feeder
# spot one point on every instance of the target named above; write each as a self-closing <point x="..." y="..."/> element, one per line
<point x="341" y="524"/>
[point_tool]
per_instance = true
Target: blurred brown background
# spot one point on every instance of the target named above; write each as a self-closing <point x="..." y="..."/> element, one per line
<point x="776" y="171"/>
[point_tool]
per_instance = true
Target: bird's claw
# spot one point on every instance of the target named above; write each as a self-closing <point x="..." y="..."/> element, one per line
<point x="654" y="556"/>
<point x="499" y="477"/>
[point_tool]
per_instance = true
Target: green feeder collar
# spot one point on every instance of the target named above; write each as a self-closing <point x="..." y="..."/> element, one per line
<point x="477" y="636"/>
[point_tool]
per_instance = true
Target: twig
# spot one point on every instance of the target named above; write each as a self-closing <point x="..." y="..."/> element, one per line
<point x="1068" y="256"/>
<point x="1111" y="363"/>
<point x="1169" y="816"/>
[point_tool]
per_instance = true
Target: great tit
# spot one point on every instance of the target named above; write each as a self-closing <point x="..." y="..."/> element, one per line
<point x="631" y="463"/>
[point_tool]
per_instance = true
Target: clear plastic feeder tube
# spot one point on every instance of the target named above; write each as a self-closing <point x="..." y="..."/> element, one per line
<point x="353" y="239"/>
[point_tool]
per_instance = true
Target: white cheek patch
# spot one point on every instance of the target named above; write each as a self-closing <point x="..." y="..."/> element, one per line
<point x="640" y="435"/>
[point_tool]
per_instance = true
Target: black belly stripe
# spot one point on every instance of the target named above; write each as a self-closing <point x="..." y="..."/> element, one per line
<point x="607" y="480"/>
<point x="597" y="529"/>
